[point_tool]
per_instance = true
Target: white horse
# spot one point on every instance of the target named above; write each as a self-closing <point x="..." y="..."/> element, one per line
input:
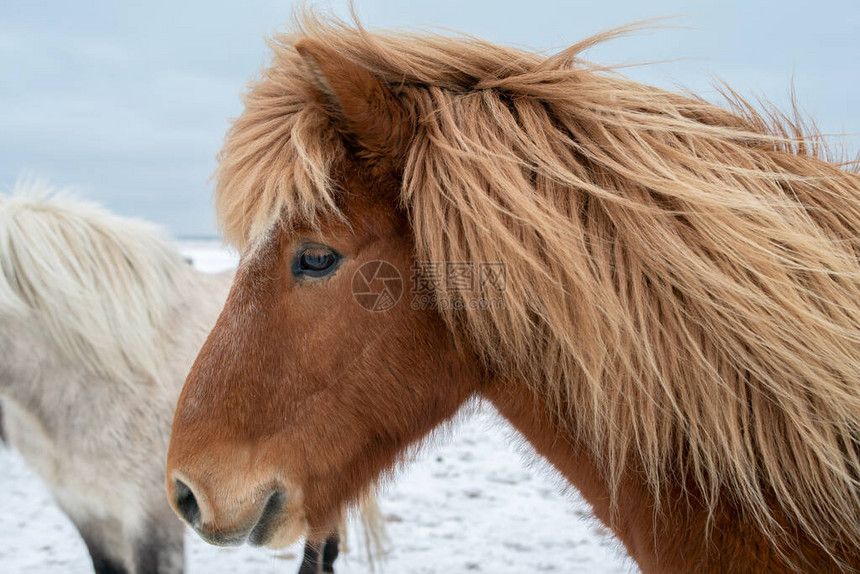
<point x="100" y="320"/>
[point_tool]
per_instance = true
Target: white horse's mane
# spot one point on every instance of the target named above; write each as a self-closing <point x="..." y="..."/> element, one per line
<point x="103" y="287"/>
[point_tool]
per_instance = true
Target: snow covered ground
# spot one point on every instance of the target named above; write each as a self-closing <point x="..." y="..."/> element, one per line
<point x="474" y="499"/>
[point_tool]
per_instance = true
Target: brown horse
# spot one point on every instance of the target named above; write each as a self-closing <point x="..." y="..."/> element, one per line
<point x="679" y="331"/>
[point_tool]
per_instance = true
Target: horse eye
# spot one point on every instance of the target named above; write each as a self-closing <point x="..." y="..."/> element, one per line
<point x="315" y="262"/>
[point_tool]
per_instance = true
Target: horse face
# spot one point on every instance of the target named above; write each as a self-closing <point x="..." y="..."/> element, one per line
<point x="309" y="386"/>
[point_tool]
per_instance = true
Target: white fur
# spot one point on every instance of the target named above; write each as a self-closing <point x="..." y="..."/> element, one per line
<point x="100" y="320"/>
<point x="103" y="285"/>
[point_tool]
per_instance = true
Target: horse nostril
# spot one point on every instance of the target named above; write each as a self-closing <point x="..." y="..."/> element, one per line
<point x="266" y="525"/>
<point x="186" y="503"/>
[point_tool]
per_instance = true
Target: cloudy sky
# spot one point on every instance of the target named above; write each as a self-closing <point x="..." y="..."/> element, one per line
<point x="127" y="103"/>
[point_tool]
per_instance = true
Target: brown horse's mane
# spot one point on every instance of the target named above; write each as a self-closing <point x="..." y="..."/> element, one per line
<point x="683" y="278"/>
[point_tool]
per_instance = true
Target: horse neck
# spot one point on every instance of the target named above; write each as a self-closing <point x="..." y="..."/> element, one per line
<point x="37" y="385"/>
<point x="50" y="386"/>
<point x="684" y="536"/>
<point x="25" y="349"/>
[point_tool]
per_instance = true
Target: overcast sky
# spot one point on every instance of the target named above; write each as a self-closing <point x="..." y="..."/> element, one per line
<point x="128" y="104"/>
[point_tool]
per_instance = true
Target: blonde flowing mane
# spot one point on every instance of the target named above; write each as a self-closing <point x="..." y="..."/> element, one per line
<point x="683" y="278"/>
<point x="102" y="285"/>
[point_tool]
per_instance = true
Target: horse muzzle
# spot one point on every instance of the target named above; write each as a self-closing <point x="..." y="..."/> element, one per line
<point x="254" y="520"/>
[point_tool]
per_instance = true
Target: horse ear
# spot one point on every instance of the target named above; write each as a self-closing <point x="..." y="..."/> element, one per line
<point x="369" y="113"/>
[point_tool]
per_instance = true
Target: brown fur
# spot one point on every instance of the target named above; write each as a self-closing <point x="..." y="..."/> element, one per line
<point x="681" y="328"/>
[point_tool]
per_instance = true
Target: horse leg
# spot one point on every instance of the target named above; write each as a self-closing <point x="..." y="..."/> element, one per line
<point x="104" y="561"/>
<point x="3" y="439"/>
<point x="311" y="559"/>
<point x="159" y="549"/>
<point x="319" y="557"/>
<point x="330" y="552"/>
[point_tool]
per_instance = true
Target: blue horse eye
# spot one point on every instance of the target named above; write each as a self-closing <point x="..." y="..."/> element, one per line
<point x="315" y="262"/>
